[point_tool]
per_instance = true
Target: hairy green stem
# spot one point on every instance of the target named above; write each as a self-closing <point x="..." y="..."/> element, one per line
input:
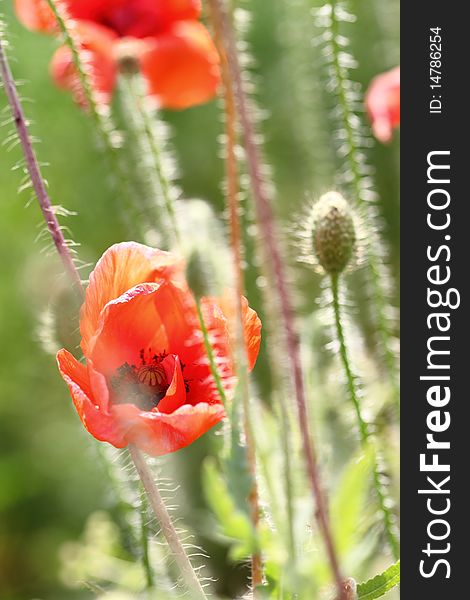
<point x="354" y="160"/>
<point x="144" y="536"/>
<point x="233" y="206"/>
<point x="210" y="355"/>
<point x="92" y="104"/>
<point x="188" y="574"/>
<point x="365" y="433"/>
<point x="101" y="117"/>
<point x="288" y="482"/>
<point x="236" y="237"/>
<point x="266" y="222"/>
<point x="149" y="159"/>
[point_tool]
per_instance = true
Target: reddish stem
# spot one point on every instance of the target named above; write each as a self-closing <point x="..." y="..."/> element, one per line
<point x="265" y="220"/>
<point x="35" y="171"/>
<point x="235" y="243"/>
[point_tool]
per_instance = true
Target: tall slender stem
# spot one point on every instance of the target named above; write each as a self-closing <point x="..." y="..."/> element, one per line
<point x="34" y="171"/>
<point x="367" y="439"/>
<point x="100" y="114"/>
<point x="96" y="109"/>
<point x="210" y="354"/>
<point x="231" y="174"/>
<point x="355" y="160"/>
<point x="266" y="222"/>
<point x="144" y="537"/>
<point x="148" y="163"/>
<point x="179" y="554"/>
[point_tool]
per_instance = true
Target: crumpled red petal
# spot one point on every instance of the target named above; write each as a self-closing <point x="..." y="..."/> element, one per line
<point x="159" y="433"/>
<point x="181" y="66"/>
<point x="176" y="393"/>
<point x="35" y="15"/>
<point x="220" y="318"/>
<point x="122" y="267"/>
<point x="162" y="317"/>
<point x="156" y="433"/>
<point x="94" y="417"/>
<point x="126" y="326"/>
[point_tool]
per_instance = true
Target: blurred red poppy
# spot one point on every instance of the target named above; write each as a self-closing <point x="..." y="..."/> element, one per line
<point x="147" y="379"/>
<point x="175" y="52"/>
<point x="383" y="104"/>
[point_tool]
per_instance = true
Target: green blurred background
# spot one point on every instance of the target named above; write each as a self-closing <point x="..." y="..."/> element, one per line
<point x="49" y="481"/>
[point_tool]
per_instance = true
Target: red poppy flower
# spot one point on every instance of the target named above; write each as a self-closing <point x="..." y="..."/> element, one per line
<point x="176" y="54"/>
<point x="383" y="104"/>
<point x="147" y="379"/>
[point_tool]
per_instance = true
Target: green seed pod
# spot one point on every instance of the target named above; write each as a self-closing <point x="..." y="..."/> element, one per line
<point x="58" y="325"/>
<point x="333" y="233"/>
<point x="197" y="275"/>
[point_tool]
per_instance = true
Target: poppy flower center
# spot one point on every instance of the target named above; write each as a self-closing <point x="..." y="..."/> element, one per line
<point x="135" y="21"/>
<point x="143" y="384"/>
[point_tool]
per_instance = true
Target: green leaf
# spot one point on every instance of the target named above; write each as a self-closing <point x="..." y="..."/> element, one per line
<point x="234" y="524"/>
<point x="349" y="502"/>
<point x="235" y="465"/>
<point x="380" y="584"/>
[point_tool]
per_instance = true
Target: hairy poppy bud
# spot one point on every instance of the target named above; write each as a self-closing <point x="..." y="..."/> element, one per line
<point x="197" y="275"/>
<point x="333" y="233"/>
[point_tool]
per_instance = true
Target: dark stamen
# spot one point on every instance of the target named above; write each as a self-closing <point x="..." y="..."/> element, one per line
<point x="143" y="386"/>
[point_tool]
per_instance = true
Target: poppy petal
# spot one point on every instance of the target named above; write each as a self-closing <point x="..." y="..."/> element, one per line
<point x="182" y="336"/>
<point x="178" y="10"/>
<point x="91" y="10"/>
<point x="220" y="318"/>
<point x="252" y="331"/>
<point x="127" y="325"/>
<point x="121" y="267"/>
<point x="181" y="10"/>
<point x="100" y="424"/>
<point x="383" y="104"/>
<point x="159" y="433"/>
<point x="150" y="315"/>
<point x="181" y="66"/>
<point x="35" y="15"/>
<point x="176" y="393"/>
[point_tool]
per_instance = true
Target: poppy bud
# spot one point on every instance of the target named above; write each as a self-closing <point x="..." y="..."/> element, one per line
<point x="333" y="233"/>
<point x="58" y="324"/>
<point x="197" y="275"/>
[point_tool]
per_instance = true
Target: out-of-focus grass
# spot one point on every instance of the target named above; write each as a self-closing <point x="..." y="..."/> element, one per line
<point x="49" y="480"/>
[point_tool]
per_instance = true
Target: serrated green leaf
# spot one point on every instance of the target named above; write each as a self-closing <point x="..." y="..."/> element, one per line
<point x="348" y="504"/>
<point x="234" y="524"/>
<point x="236" y="469"/>
<point x="380" y="584"/>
